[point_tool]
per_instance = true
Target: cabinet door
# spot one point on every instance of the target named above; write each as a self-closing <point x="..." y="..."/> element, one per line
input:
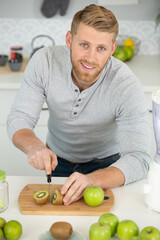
<point x="12" y="160"/>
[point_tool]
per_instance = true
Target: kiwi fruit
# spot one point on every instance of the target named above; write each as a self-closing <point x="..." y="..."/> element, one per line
<point x="61" y="230"/>
<point x="57" y="198"/>
<point x="41" y="197"/>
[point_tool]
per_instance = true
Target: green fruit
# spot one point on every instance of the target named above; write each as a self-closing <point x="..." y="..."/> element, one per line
<point x="12" y="230"/>
<point x="111" y="220"/>
<point x="93" y="195"/>
<point x="128" y="52"/>
<point x="137" y="238"/>
<point x="2" y="222"/>
<point x="120" y="54"/>
<point x="127" y="229"/>
<point x="41" y="197"/>
<point x="98" y="231"/>
<point x="150" y="233"/>
<point x="1" y="234"/>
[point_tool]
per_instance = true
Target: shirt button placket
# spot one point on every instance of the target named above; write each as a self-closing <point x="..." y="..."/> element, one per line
<point x="77" y="105"/>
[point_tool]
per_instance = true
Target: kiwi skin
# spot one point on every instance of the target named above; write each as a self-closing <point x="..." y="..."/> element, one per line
<point x="41" y="197"/>
<point x="61" y="230"/>
<point x="57" y="198"/>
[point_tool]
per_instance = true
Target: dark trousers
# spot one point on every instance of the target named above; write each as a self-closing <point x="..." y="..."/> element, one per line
<point x="66" y="168"/>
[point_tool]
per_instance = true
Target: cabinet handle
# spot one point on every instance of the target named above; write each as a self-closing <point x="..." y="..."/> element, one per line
<point x="45" y="109"/>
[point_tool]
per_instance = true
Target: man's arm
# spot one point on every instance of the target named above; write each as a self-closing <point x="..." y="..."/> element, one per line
<point x="39" y="156"/>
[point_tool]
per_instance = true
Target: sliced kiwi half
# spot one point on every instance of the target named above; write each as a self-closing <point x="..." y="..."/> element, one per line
<point x="41" y="197"/>
<point x="57" y="198"/>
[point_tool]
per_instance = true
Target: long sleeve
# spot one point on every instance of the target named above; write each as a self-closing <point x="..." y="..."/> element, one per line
<point x="134" y="130"/>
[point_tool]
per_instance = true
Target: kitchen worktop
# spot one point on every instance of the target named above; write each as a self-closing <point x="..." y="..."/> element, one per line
<point x="147" y="69"/>
<point x="129" y="204"/>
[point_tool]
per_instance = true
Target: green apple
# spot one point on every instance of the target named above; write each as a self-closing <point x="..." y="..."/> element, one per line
<point x="150" y="233"/>
<point x="110" y="219"/>
<point x="1" y="234"/>
<point x="137" y="238"/>
<point x="120" y="54"/>
<point x="99" y="231"/>
<point x="2" y="222"/>
<point x="93" y="195"/>
<point x="128" y="51"/>
<point x="127" y="229"/>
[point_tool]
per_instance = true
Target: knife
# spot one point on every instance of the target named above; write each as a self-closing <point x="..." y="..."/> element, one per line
<point x="49" y="181"/>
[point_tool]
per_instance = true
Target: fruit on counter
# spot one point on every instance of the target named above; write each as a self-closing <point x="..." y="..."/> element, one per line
<point x="57" y="198"/>
<point x="128" y="52"/>
<point x="137" y="238"/>
<point x="2" y="222"/>
<point x="12" y="230"/>
<point x="110" y="219"/>
<point x="61" y="230"/>
<point x="99" y="231"/>
<point x="129" y="43"/>
<point x="123" y="53"/>
<point x="41" y="197"/>
<point x="150" y="233"/>
<point x="1" y="234"/>
<point x="93" y="195"/>
<point x="127" y="229"/>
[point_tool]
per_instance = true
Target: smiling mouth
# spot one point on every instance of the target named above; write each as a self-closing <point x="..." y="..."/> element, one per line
<point x="87" y="67"/>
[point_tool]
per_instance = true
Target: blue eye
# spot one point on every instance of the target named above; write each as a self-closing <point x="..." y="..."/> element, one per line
<point x="84" y="45"/>
<point x="101" y="48"/>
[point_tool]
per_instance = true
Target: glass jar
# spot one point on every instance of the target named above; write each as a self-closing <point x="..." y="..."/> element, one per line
<point x="4" y="199"/>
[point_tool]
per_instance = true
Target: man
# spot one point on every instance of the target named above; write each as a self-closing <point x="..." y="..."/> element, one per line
<point x="98" y="130"/>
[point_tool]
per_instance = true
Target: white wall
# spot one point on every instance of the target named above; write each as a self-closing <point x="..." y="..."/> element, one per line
<point x="146" y="10"/>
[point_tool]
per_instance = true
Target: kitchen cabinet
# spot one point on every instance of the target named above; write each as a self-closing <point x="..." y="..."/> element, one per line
<point x="12" y="160"/>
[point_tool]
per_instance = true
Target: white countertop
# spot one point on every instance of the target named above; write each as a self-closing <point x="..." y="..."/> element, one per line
<point x="147" y="69"/>
<point x="129" y="204"/>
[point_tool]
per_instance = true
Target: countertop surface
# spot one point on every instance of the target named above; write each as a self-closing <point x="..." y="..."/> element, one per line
<point x="146" y="68"/>
<point x="129" y="204"/>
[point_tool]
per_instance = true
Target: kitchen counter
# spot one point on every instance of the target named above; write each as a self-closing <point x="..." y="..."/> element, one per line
<point x="147" y="69"/>
<point x="129" y="204"/>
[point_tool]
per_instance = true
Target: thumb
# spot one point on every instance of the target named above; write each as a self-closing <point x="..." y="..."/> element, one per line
<point x="54" y="161"/>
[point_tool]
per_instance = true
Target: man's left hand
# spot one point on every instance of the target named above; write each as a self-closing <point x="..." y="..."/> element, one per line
<point x="74" y="187"/>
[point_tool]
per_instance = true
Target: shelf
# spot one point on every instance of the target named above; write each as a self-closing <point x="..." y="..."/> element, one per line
<point x="117" y="2"/>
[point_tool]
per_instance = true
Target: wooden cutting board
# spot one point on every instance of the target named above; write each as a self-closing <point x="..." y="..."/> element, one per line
<point x="80" y="208"/>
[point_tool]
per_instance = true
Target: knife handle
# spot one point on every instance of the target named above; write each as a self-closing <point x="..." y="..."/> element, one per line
<point x="48" y="178"/>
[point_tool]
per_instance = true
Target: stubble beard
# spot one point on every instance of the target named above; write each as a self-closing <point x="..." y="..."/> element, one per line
<point x="85" y="77"/>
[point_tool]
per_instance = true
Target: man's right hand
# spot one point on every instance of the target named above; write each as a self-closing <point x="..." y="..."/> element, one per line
<point x="42" y="158"/>
<point x="39" y="155"/>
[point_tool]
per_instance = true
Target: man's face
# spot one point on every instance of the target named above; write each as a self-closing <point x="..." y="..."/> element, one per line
<point x="90" y="50"/>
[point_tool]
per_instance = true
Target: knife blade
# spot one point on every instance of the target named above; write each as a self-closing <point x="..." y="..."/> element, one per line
<point x="49" y="181"/>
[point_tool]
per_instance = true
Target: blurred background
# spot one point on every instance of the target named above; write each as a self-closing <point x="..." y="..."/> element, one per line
<point x="21" y="21"/>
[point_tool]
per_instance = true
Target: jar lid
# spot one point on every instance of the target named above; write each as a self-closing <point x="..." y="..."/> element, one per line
<point x="16" y="48"/>
<point x="2" y="175"/>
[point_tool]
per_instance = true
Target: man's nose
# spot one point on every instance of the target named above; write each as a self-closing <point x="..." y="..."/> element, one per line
<point x="91" y="55"/>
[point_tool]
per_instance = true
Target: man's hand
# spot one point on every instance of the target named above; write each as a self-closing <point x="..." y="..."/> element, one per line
<point x="74" y="187"/>
<point x="76" y="183"/>
<point x="42" y="158"/>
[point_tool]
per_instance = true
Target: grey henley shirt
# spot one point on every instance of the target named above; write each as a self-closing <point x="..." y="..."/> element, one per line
<point x="107" y="118"/>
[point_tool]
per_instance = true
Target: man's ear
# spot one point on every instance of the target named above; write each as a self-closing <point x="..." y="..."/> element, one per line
<point x="68" y="39"/>
<point x="114" y="47"/>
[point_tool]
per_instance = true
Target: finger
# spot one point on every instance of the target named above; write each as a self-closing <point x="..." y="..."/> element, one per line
<point x="47" y="163"/>
<point x="32" y="162"/>
<point x="71" y="194"/>
<point x="54" y="161"/>
<point x="70" y="180"/>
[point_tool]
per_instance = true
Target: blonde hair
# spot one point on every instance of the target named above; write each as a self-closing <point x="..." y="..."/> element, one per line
<point x="97" y="17"/>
